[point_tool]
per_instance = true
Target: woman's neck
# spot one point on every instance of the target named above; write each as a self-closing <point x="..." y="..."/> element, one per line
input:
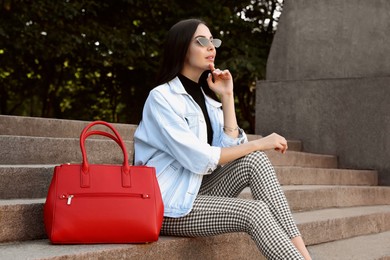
<point x="191" y="74"/>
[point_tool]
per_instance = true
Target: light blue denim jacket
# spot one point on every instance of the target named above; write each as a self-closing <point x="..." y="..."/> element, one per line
<point x="172" y="137"/>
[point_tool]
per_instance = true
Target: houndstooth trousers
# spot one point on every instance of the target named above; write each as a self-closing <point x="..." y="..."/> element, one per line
<point x="217" y="210"/>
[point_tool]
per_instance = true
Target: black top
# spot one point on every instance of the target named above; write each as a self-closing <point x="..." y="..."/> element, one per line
<point x="194" y="90"/>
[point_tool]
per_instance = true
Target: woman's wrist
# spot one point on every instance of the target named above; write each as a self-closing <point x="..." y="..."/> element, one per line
<point x="233" y="132"/>
<point x="226" y="96"/>
<point x="230" y="129"/>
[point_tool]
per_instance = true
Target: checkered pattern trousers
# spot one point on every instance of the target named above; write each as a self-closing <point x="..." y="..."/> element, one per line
<point x="217" y="210"/>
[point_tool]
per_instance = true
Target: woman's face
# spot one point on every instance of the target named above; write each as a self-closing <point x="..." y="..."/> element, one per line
<point x="199" y="58"/>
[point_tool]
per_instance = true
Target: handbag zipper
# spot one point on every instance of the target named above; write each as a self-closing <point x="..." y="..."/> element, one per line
<point x="69" y="197"/>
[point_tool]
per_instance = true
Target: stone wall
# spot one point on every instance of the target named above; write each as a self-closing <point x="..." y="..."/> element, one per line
<point x="328" y="81"/>
<point x="319" y="39"/>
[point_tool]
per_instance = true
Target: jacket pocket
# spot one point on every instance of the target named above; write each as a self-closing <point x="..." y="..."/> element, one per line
<point x="192" y="120"/>
<point x="169" y="175"/>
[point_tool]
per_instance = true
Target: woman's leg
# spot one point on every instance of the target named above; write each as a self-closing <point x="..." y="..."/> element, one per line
<point x="300" y="245"/>
<point x="217" y="215"/>
<point x="256" y="171"/>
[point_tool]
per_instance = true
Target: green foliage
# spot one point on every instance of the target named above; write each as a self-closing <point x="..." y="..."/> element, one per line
<point x="90" y="59"/>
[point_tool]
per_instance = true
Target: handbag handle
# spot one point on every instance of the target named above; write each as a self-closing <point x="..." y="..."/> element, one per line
<point x="85" y="176"/>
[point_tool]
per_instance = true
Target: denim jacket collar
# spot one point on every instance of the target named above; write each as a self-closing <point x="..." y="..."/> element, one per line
<point x="177" y="87"/>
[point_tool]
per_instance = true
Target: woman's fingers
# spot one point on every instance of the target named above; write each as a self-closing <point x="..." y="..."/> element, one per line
<point x="217" y="72"/>
<point x="210" y="79"/>
<point x="283" y="148"/>
<point x="279" y="143"/>
<point x="222" y="74"/>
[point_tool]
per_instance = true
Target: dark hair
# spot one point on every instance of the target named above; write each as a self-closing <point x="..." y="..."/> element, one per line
<point x="175" y="49"/>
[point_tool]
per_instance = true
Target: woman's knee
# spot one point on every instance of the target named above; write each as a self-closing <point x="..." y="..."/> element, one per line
<point x="259" y="155"/>
<point x="258" y="209"/>
<point x="258" y="216"/>
<point x="255" y="159"/>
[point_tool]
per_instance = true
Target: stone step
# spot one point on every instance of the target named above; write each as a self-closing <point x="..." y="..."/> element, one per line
<point x="33" y="180"/>
<point x="166" y="248"/>
<point x="302" y="159"/>
<point x="61" y="128"/>
<point x="25" y="181"/>
<point x="293" y="145"/>
<point x="51" y="127"/>
<point x="313" y="197"/>
<point x="21" y="220"/>
<point x="374" y="246"/>
<point x="368" y="247"/>
<point x="325" y="176"/>
<point x="316" y="227"/>
<point x="48" y="150"/>
<point x="306" y="198"/>
<point x="325" y="225"/>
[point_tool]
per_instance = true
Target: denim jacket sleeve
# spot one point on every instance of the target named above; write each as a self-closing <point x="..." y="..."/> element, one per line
<point x="171" y="126"/>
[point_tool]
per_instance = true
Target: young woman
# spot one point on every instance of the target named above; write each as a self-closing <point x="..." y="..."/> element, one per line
<point x="203" y="159"/>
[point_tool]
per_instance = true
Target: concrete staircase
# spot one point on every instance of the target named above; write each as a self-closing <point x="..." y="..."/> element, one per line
<point x="342" y="213"/>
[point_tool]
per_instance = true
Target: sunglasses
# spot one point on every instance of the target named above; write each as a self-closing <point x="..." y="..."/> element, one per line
<point x="206" y="42"/>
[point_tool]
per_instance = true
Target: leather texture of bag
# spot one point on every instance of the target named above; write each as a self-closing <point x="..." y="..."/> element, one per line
<point x="94" y="203"/>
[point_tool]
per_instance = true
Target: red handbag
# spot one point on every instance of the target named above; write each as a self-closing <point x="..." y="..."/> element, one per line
<point x="93" y="203"/>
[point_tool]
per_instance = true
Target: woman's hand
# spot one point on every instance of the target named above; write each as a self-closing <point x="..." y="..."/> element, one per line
<point x="273" y="141"/>
<point x="223" y="81"/>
